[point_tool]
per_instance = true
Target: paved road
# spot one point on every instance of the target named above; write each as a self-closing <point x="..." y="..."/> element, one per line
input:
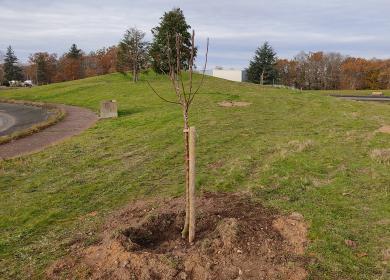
<point x="364" y="98"/>
<point x="76" y="120"/>
<point x="15" y="117"/>
<point x="6" y="121"/>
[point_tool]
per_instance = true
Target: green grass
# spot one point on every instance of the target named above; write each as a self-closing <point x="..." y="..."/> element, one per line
<point x="295" y="151"/>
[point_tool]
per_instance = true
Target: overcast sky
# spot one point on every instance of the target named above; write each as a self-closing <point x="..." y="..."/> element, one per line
<point x="235" y="28"/>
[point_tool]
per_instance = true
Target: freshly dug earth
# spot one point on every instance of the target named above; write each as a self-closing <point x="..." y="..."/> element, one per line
<point x="236" y="239"/>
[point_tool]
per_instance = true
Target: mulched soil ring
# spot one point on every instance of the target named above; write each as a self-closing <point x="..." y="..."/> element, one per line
<point x="236" y="238"/>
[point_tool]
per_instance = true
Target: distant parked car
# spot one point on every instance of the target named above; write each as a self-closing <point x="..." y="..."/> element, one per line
<point x="28" y="83"/>
<point x="14" y="83"/>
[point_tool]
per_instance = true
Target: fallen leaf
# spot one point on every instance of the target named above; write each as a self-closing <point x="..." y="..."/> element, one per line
<point x="362" y="254"/>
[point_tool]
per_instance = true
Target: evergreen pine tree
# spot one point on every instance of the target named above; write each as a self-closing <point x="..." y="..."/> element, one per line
<point x="171" y="23"/>
<point x="74" y="52"/>
<point x="11" y="70"/>
<point x="74" y="67"/>
<point x="262" y="68"/>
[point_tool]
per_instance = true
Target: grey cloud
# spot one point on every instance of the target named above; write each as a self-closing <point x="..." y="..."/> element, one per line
<point x="235" y="28"/>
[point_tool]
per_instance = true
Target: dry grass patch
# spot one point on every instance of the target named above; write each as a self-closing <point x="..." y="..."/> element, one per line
<point x="296" y="146"/>
<point x="300" y="146"/>
<point x="381" y="155"/>
<point x="320" y="182"/>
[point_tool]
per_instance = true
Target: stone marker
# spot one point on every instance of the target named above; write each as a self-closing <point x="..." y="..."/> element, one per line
<point x="108" y="109"/>
<point x="377" y="93"/>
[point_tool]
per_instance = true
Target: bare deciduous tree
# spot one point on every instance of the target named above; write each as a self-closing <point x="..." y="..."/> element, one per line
<point x="185" y="94"/>
<point x="133" y="52"/>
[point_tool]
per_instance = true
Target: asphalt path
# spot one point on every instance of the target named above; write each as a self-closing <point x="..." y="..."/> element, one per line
<point x="75" y="121"/>
<point x="15" y="117"/>
<point x="363" y="98"/>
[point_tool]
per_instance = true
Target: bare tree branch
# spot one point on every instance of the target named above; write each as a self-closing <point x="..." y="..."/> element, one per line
<point x="172" y="74"/>
<point x="179" y="72"/>
<point x="191" y="62"/>
<point x="203" y="72"/>
<point x="166" y="100"/>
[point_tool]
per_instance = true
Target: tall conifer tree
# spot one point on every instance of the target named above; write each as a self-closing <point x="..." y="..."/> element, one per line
<point x="11" y="69"/>
<point x="171" y="23"/>
<point x="262" y="68"/>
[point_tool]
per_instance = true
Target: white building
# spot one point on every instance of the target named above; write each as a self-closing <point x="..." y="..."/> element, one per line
<point x="230" y="74"/>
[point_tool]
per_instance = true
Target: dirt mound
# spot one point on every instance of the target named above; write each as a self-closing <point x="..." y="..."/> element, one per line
<point x="293" y="229"/>
<point x="234" y="104"/>
<point x="236" y="239"/>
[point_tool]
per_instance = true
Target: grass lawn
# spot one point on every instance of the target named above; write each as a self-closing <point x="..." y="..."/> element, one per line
<point x="294" y="151"/>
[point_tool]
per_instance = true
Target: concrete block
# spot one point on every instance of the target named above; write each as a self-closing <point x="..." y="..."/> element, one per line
<point x="108" y="109"/>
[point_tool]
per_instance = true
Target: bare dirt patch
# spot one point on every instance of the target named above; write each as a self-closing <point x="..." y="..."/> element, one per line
<point x="293" y="229"/>
<point x="234" y="104"/>
<point x="216" y="165"/>
<point x="236" y="239"/>
<point x="384" y="129"/>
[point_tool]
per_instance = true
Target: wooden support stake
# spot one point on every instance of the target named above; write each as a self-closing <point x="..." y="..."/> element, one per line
<point x="184" y="233"/>
<point x="191" y="233"/>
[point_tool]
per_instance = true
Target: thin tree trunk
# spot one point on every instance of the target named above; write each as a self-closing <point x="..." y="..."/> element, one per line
<point x="134" y="73"/>
<point x="262" y="78"/>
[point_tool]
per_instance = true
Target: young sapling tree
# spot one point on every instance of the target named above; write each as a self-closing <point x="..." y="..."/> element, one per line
<point x="185" y="93"/>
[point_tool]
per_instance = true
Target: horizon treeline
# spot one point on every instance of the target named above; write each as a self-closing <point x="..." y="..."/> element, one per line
<point x="45" y="68"/>
<point x="330" y="71"/>
<point x="314" y="70"/>
<point x="318" y="70"/>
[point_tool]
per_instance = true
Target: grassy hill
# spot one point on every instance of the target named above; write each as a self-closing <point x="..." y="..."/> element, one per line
<point x="294" y="151"/>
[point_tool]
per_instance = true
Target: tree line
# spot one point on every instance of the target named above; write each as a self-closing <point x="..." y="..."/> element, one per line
<point x="318" y="70"/>
<point x="132" y="54"/>
<point x="45" y="68"/>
